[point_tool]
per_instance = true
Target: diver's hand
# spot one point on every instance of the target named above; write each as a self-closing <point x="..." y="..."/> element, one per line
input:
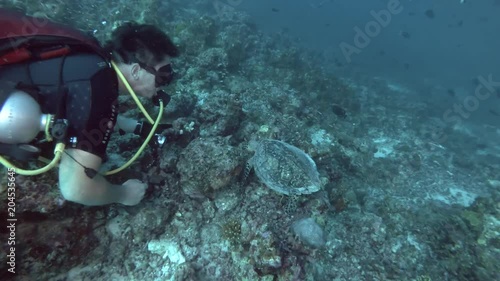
<point x="143" y="129"/>
<point x="160" y="136"/>
<point x="134" y="191"/>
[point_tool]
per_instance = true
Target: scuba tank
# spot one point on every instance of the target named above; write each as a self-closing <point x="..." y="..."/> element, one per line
<point x="21" y="119"/>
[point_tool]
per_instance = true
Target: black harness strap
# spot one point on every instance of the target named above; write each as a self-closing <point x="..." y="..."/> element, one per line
<point x="60" y="126"/>
<point x="5" y="91"/>
<point x="21" y="152"/>
<point x="3" y="97"/>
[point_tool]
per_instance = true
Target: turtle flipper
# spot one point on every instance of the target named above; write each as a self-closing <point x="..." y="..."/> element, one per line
<point x="246" y="173"/>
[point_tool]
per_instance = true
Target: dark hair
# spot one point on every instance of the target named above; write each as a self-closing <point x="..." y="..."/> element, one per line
<point x="145" y="43"/>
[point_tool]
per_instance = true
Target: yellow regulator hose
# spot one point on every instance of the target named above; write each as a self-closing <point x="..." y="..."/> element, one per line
<point x="58" y="150"/>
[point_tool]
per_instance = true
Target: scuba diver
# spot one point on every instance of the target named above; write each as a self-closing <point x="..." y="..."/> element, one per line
<point x="58" y="84"/>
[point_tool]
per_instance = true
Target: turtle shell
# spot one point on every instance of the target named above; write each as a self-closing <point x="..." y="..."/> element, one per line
<point x="285" y="168"/>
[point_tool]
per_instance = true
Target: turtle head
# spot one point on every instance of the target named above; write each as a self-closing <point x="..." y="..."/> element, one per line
<point x="252" y="145"/>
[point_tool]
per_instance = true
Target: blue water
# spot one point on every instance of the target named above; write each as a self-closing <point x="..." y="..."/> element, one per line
<point x="438" y="51"/>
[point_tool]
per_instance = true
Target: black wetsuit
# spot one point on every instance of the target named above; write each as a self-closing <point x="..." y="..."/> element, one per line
<point x="90" y="100"/>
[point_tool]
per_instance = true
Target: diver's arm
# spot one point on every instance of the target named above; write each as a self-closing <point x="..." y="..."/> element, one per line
<point x="77" y="187"/>
<point x="126" y="124"/>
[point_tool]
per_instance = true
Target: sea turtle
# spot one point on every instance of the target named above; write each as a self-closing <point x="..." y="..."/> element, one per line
<point x="283" y="167"/>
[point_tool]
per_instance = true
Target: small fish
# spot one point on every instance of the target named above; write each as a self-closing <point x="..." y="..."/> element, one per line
<point x="405" y="34"/>
<point x="406" y="66"/>
<point x="275" y="10"/>
<point x="339" y="111"/>
<point x="460" y="23"/>
<point x="451" y="93"/>
<point x="430" y="13"/>
<point x="475" y="81"/>
<point x="481" y="146"/>
<point x="494" y="112"/>
<point x="320" y="4"/>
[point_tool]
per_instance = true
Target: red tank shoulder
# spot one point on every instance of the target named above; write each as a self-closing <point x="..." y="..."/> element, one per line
<point x="15" y="24"/>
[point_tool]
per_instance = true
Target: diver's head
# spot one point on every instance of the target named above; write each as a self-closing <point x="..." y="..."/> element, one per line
<point x="142" y="53"/>
<point x="145" y="79"/>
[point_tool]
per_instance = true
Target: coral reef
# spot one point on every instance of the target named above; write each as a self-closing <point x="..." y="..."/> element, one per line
<point x="208" y="165"/>
<point x="396" y="205"/>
